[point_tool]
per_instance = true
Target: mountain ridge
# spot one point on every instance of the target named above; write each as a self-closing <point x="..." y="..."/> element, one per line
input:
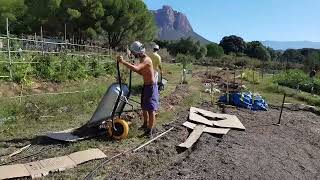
<point x="283" y="45"/>
<point x="174" y="25"/>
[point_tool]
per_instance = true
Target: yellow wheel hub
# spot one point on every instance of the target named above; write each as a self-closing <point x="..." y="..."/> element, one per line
<point x="121" y="130"/>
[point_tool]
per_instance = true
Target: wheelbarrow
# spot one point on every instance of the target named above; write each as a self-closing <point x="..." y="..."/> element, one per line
<point x="107" y="117"/>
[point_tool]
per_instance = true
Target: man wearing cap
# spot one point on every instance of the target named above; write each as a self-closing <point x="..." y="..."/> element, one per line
<point x="156" y="61"/>
<point x="150" y="94"/>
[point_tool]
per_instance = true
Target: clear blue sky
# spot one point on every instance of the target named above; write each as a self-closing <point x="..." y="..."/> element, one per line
<point x="280" y="20"/>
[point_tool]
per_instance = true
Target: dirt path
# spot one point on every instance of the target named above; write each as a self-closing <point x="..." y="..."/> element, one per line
<point x="263" y="151"/>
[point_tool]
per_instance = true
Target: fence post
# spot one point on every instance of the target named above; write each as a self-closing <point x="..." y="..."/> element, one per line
<point x="65" y="36"/>
<point x="42" y="40"/>
<point x="8" y="47"/>
<point x="35" y="38"/>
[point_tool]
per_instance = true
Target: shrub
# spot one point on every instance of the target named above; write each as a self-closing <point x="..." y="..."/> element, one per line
<point x="295" y="78"/>
<point x="251" y="76"/>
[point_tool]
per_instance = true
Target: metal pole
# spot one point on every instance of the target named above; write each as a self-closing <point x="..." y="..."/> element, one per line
<point x="42" y="46"/>
<point x="35" y="38"/>
<point x="284" y="98"/>
<point x="253" y="80"/>
<point x="65" y="33"/>
<point x="8" y="47"/>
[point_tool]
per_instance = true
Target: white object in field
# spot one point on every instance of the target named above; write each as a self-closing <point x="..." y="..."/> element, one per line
<point x="184" y="76"/>
<point x="213" y="91"/>
<point x="1" y="44"/>
<point x="208" y="89"/>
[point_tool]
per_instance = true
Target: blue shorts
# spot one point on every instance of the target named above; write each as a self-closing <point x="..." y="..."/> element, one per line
<point x="150" y="98"/>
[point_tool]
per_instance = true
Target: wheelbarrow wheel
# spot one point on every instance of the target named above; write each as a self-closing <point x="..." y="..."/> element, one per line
<point x="121" y="130"/>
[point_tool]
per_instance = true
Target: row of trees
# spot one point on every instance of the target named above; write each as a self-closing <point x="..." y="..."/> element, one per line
<point x="115" y="21"/>
<point x="234" y="45"/>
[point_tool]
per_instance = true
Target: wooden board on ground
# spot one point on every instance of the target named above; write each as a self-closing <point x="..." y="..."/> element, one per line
<point x="13" y="171"/>
<point x="84" y="156"/>
<point x="231" y="122"/>
<point x="224" y="120"/>
<point x="210" y="130"/>
<point x="42" y="168"/>
<point x="194" y="136"/>
<point x="207" y="113"/>
<point x="199" y="119"/>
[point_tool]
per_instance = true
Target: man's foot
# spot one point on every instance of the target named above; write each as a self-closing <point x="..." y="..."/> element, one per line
<point x="151" y="133"/>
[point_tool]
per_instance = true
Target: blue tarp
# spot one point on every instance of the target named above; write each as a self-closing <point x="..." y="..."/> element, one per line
<point x="246" y="100"/>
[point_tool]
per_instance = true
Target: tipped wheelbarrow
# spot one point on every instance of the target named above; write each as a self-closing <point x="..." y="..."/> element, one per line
<point x="107" y="116"/>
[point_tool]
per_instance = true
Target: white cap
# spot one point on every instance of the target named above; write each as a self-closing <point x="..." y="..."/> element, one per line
<point x="156" y="47"/>
<point x="137" y="47"/>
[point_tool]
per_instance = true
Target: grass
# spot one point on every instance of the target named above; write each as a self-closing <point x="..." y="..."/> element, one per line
<point x="273" y="93"/>
<point x="69" y="111"/>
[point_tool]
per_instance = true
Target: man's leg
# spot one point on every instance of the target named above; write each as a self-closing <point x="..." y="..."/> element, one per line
<point x="152" y="119"/>
<point x="145" y="120"/>
<point x="152" y="124"/>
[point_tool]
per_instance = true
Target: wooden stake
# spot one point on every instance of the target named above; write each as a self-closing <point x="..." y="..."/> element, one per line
<point x="145" y="144"/>
<point x="20" y="150"/>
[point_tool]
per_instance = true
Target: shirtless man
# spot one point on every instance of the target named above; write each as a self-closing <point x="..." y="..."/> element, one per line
<point x="150" y="94"/>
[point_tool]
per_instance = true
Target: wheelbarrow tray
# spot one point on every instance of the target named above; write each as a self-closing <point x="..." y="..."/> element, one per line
<point x="101" y="114"/>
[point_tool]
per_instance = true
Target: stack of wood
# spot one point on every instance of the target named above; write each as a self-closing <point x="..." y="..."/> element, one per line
<point x="202" y="121"/>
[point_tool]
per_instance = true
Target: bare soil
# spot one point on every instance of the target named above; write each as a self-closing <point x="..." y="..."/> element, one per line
<point x="263" y="151"/>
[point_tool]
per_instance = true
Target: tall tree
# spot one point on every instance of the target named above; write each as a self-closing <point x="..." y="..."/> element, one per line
<point x="13" y="10"/>
<point x="127" y="20"/>
<point x="233" y="44"/>
<point x="187" y="46"/>
<point x="292" y="55"/>
<point x="256" y="49"/>
<point x="214" y="51"/>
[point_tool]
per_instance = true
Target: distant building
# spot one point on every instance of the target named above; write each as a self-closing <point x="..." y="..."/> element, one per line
<point x="1" y="44"/>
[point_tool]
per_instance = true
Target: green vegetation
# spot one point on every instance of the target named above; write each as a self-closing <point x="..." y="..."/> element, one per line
<point x="214" y="51"/>
<point x="298" y="79"/>
<point x="57" y="68"/>
<point x="233" y="44"/>
<point x="187" y="47"/>
<point x="273" y="93"/>
<point x="251" y="76"/>
<point x="256" y="49"/>
<point x="185" y="60"/>
<point x="119" y="21"/>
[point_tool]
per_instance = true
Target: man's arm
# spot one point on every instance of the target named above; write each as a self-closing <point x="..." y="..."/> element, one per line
<point x="135" y="68"/>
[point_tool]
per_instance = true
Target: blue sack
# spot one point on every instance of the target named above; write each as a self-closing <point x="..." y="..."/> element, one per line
<point x="245" y="100"/>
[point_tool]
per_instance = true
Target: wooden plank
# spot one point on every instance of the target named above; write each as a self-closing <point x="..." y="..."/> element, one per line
<point x="232" y="122"/>
<point x="13" y="171"/>
<point x="208" y="113"/>
<point x="228" y="121"/>
<point x="194" y="136"/>
<point x="87" y="155"/>
<point x="189" y="125"/>
<point x="41" y="168"/>
<point x="199" y="119"/>
<point x="210" y="130"/>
